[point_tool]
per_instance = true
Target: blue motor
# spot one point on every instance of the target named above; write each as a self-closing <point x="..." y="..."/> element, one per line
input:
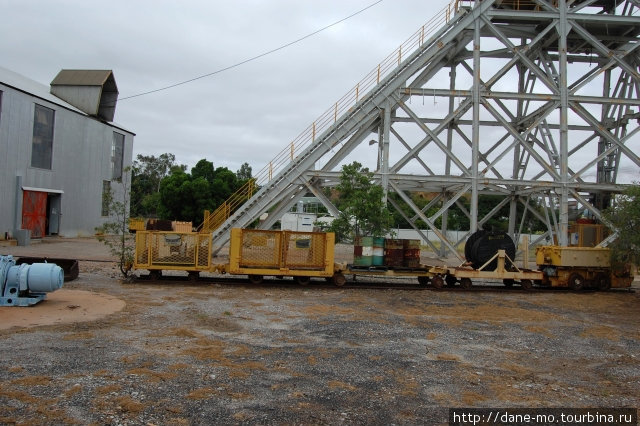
<point x="25" y="285"/>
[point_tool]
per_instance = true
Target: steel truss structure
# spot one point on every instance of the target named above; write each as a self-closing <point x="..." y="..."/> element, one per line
<point x="533" y="100"/>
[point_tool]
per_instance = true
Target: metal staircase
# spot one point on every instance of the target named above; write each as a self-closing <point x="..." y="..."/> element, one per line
<point x="509" y="111"/>
<point x="355" y="112"/>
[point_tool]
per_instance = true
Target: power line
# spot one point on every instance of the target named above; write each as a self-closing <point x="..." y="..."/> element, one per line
<point x="254" y="57"/>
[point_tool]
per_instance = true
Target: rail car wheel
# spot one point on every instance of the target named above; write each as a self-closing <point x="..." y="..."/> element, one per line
<point x="466" y="283"/>
<point x="602" y="281"/>
<point x="423" y="280"/>
<point x="193" y="275"/>
<point x="508" y="282"/>
<point x="576" y="281"/>
<point x="256" y="279"/>
<point x="303" y="280"/>
<point x="338" y="279"/>
<point x="155" y="274"/>
<point x="526" y="284"/>
<point x="437" y="281"/>
<point x="450" y="280"/>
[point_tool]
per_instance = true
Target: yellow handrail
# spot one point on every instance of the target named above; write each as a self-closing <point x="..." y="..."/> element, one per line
<point x="328" y="118"/>
<point x="212" y="221"/>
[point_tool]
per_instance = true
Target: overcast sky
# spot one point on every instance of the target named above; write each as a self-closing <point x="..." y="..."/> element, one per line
<point x="246" y="114"/>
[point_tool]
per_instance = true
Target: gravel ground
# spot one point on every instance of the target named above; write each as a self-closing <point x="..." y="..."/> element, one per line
<point x="183" y="353"/>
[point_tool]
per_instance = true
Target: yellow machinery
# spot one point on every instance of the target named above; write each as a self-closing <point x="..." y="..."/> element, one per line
<point x="255" y="253"/>
<point x="303" y="255"/>
<point x="181" y="251"/>
<point x="505" y="270"/>
<point x="580" y="267"/>
<point x="260" y="253"/>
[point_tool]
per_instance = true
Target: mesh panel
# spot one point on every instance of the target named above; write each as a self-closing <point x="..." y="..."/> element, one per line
<point x="204" y="245"/>
<point x="168" y="248"/>
<point x="304" y="250"/>
<point x="260" y="249"/>
<point x="142" y="254"/>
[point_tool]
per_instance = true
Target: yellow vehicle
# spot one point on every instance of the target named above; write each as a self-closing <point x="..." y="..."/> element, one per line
<point x="305" y="255"/>
<point x="580" y="267"/>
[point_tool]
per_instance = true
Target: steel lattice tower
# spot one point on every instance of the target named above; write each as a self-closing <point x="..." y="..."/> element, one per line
<point x="536" y="101"/>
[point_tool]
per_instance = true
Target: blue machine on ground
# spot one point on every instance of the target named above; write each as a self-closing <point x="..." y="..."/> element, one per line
<point x="25" y="285"/>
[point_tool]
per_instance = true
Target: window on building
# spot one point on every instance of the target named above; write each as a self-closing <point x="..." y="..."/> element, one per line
<point x="42" y="147"/>
<point x="117" y="156"/>
<point x="106" y="197"/>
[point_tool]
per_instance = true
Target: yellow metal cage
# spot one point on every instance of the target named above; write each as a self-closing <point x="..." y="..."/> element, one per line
<point x="173" y="250"/>
<point x="263" y="252"/>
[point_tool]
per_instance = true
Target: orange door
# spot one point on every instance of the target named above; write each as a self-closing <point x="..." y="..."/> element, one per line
<point x="34" y="212"/>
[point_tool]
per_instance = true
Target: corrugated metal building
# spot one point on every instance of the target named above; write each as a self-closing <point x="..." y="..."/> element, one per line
<point x="59" y="152"/>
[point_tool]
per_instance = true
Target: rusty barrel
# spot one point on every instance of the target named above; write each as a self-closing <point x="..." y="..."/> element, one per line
<point x="411" y="253"/>
<point x="378" y="251"/>
<point x="363" y="251"/>
<point x="393" y="252"/>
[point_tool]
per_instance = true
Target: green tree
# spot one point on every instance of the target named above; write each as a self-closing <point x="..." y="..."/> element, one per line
<point x="203" y="169"/>
<point x="147" y="173"/>
<point x="244" y="173"/>
<point x="625" y="216"/>
<point x="185" y="196"/>
<point x="115" y="233"/>
<point x="177" y="197"/>
<point x="362" y="210"/>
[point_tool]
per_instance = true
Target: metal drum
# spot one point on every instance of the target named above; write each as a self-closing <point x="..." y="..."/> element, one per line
<point x="411" y="253"/>
<point x="378" y="251"/>
<point x="363" y="251"/>
<point x="393" y="253"/>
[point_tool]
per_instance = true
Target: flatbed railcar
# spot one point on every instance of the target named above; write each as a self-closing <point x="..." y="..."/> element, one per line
<point x="306" y="255"/>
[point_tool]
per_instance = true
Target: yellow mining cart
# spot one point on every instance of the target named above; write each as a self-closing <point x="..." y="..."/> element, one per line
<point x="580" y="267"/>
<point x="255" y="253"/>
<point x="302" y="255"/>
<point x="181" y="251"/>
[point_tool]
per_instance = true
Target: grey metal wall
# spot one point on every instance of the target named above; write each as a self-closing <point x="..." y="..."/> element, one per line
<point x="81" y="161"/>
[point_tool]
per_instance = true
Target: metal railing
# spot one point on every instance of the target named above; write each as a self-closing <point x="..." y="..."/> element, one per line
<point x="212" y="221"/>
<point x="329" y="117"/>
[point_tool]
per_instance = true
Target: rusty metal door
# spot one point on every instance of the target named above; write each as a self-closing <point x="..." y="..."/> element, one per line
<point x="34" y="212"/>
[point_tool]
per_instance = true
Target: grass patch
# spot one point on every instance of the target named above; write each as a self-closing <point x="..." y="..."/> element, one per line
<point x="336" y="384"/>
<point x="202" y="393"/>
<point x="32" y="381"/>
<point x="601" y="332"/>
<point x="447" y="357"/>
<point x="85" y="335"/>
<point x="153" y="376"/>
<point x="539" y="330"/>
<point x="126" y="404"/>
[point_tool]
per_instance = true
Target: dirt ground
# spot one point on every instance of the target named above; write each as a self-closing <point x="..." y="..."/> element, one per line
<point x="177" y="352"/>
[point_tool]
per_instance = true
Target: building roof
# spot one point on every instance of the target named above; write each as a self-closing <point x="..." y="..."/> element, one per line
<point x="39" y="90"/>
